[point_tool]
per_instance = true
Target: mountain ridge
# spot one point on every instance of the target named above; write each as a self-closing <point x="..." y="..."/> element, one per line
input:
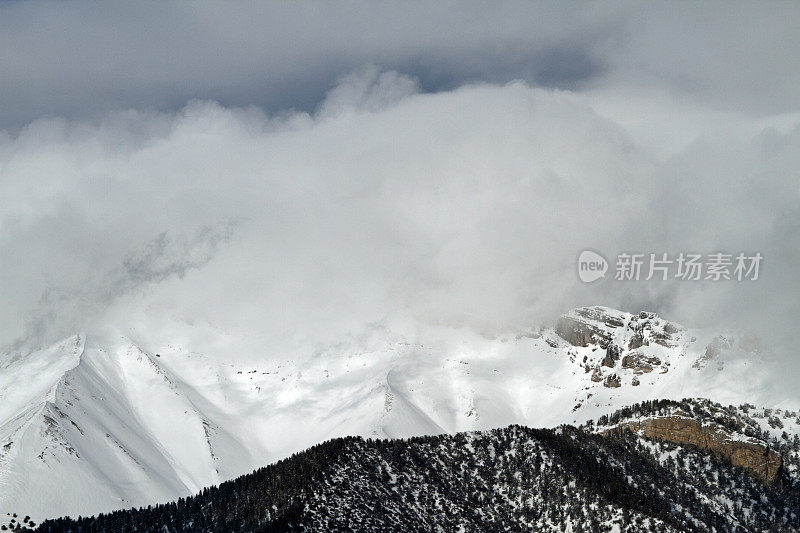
<point x="131" y="425"/>
<point x="513" y="478"/>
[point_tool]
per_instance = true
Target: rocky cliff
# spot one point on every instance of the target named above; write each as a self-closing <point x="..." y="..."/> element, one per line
<point x="728" y="433"/>
<point x="750" y="454"/>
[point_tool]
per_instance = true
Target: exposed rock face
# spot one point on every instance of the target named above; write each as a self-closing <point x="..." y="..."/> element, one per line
<point x="596" y="325"/>
<point x="628" y="345"/>
<point x="612" y="355"/>
<point x="640" y="363"/>
<point x="650" y="328"/>
<point x="750" y="454"/>
<point x="612" y="381"/>
<point x="637" y="341"/>
<point x="580" y="333"/>
<point x="601" y="315"/>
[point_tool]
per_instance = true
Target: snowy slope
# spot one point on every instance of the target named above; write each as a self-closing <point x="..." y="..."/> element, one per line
<point x="509" y="479"/>
<point x="97" y="422"/>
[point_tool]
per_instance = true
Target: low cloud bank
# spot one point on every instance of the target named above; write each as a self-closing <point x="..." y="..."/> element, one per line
<point x="392" y="209"/>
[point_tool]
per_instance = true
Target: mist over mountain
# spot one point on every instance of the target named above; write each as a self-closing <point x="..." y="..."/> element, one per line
<point x="231" y="232"/>
<point x="464" y="207"/>
<point x="387" y="197"/>
<point x="129" y="425"/>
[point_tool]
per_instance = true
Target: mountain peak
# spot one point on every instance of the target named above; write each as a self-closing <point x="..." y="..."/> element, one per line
<point x="602" y="326"/>
<point x="133" y="428"/>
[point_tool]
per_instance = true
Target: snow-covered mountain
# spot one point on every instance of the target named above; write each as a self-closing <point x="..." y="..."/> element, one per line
<point x="707" y="468"/>
<point x="97" y="422"/>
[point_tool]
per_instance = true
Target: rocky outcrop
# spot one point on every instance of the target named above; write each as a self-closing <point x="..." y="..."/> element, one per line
<point x="623" y="343"/>
<point x="648" y="327"/>
<point x="640" y="363"/>
<point x="580" y="333"/>
<point x="612" y="355"/>
<point x="587" y="326"/>
<point x="637" y="341"/>
<point x="600" y="315"/>
<point x="751" y="454"/>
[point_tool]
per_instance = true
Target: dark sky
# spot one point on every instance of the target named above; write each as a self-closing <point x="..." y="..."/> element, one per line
<point x="81" y="60"/>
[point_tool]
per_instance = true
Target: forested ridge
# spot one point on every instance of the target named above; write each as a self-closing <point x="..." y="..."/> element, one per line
<point x="510" y="479"/>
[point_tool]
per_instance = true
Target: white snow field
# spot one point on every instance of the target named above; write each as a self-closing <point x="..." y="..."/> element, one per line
<point x="96" y="423"/>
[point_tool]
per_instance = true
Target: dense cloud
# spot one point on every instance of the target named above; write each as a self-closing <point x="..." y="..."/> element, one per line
<point x="78" y="59"/>
<point x="309" y="182"/>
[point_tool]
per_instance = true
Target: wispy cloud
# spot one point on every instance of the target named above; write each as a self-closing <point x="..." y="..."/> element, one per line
<point x="62" y="310"/>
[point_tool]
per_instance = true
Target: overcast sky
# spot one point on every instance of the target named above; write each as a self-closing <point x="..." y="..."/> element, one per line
<point x="79" y="60"/>
<point x="313" y="170"/>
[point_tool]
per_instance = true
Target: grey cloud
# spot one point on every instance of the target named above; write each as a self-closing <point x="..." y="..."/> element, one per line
<point x="61" y="310"/>
<point x="383" y="168"/>
<point x="164" y="257"/>
<point x="77" y="60"/>
<point x="367" y="89"/>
